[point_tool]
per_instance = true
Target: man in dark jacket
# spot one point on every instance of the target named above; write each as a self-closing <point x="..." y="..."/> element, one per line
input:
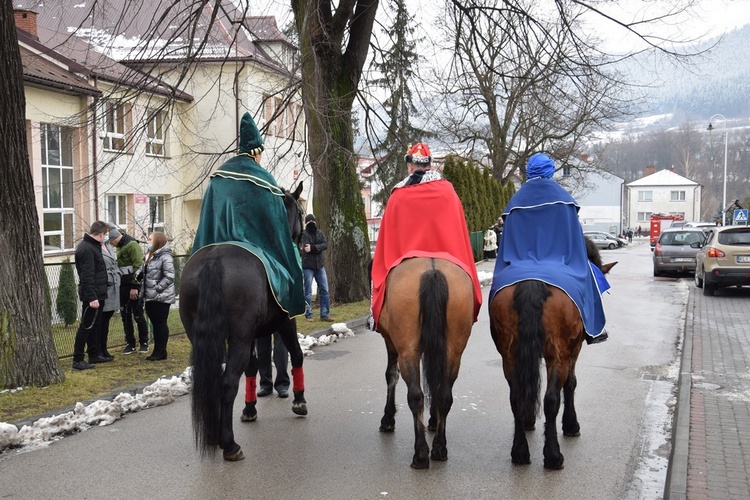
<point x="313" y="244"/>
<point x="130" y="260"/>
<point x="92" y="290"/>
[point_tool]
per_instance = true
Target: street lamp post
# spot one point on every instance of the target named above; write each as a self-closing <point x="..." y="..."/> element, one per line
<point x="726" y="148"/>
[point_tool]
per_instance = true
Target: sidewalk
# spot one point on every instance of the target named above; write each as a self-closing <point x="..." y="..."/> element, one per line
<point x="711" y="432"/>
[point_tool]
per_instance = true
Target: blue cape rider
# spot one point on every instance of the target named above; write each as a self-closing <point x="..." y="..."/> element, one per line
<point x="543" y="240"/>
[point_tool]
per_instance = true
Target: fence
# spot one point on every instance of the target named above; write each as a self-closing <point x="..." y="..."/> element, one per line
<point x="64" y="305"/>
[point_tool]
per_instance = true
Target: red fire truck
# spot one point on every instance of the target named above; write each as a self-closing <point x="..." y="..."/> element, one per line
<point x="660" y="222"/>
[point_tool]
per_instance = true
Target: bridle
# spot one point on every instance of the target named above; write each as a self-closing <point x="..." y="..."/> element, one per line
<point x="300" y="215"/>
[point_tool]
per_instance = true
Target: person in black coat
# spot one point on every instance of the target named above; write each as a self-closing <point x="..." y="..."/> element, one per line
<point x="92" y="291"/>
<point x="314" y="243"/>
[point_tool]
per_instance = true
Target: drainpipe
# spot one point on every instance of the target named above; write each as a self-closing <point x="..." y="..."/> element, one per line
<point x="237" y="101"/>
<point x="94" y="158"/>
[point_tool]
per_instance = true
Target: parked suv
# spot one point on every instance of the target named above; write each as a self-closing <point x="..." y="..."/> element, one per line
<point x="675" y="250"/>
<point x="724" y="259"/>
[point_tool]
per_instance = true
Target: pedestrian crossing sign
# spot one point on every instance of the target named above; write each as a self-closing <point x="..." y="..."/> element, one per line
<point x="740" y="216"/>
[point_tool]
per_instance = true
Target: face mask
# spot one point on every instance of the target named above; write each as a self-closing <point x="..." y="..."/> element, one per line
<point x="106" y="238"/>
<point x="149" y="247"/>
<point x="311" y="227"/>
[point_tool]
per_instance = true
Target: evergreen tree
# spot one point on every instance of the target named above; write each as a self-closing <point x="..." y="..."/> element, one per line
<point x="396" y="65"/>
<point x="67" y="295"/>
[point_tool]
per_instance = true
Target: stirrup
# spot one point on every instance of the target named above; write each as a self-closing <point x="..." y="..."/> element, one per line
<point x="602" y="337"/>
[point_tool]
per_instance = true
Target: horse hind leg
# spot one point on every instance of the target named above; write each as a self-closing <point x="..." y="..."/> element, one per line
<point x="443" y="404"/>
<point x="553" y="458"/>
<point x="570" y="423"/>
<point x="415" y="396"/>
<point x="388" y="422"/>
<point x="250" y="412"/>
<point x="519" y="453"/>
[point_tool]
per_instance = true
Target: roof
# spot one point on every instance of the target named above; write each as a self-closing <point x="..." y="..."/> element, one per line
<point x="663" y="178"/>
<point x="48" y="69"/>
<point x="146" y="31"/>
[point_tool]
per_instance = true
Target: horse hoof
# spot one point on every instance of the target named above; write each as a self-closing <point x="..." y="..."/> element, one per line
<point x="431" y="428"/>
<point x="235" y="456"/>
<point x="420" y="464"/>
<point x="523" y="460"/>
<point x="571" y="434"/>
<point x="299" y="409"/>
<point x="388" y="428"/>
<point x="248" y="418"/>
<point x="554" y="465"/>
<point x="439" y="455"/>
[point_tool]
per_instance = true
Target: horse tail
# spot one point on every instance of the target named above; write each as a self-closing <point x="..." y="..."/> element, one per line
<point x="433" y="306"/>
<point x="528" y="300"/>
<point x="209" y="332"/>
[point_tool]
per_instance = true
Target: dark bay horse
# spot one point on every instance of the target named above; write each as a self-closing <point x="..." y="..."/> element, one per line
<point x="530" y="321"/>
<point x="427" y="315"/>
<point x="225" y="303"/>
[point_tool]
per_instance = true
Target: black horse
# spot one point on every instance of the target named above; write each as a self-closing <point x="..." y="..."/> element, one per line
<point x="225" y="303"/>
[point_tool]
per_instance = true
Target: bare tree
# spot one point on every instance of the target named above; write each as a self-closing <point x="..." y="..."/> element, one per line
<point x="519" y="84"/>
<point x="27" y="353"/>
<point x="334" y="42"/>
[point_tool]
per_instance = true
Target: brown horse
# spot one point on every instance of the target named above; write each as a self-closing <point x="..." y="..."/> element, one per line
<point x="427" y="314"/>
<point x="530" y="321"/>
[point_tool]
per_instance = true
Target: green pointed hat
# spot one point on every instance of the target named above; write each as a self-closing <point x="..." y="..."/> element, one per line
<point x="250" y="140"/>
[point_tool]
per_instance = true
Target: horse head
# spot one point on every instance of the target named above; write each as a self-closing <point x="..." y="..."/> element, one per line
<point x="593" y="252"/>
<point x="294" y="212"/>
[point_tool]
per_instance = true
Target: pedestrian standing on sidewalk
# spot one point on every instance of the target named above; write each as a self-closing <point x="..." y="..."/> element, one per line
<point x="159" y="290"/>
<point x="266" y="349"/>
<point x="112" y="303"/>
<point x="130" y="260"/>
<point x="314" y="243"/>
<point x="92" y="291"/>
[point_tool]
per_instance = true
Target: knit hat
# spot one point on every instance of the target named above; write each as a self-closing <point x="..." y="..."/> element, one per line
<point x="310" y="217"/>
<point x="540" y="165"/>
<point x="251" y="142"/>
<point x="114" y="232"/>
<point x="418" y="154"/>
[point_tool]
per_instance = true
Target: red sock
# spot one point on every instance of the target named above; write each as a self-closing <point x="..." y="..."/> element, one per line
<point x="250" y="387"/>
<point x="298" y="377"/>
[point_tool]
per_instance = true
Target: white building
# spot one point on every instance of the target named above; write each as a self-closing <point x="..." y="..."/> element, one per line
<point x="662" y="192"/>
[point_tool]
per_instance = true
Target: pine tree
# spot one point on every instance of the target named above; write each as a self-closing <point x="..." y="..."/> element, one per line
<point x="67" y="295"/>
<point x="396" y="64"/>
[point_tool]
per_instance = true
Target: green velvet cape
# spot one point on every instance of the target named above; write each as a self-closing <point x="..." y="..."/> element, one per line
<point x="244" y="206"/>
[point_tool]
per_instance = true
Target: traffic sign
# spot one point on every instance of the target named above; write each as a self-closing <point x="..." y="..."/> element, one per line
<point x="740" y="216"/>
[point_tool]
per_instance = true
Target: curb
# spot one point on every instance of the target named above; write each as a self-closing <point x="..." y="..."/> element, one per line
<point x="675" y="487"/>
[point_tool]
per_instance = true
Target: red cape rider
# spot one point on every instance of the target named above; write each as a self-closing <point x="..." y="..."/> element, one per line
<point x="424" y="218"/>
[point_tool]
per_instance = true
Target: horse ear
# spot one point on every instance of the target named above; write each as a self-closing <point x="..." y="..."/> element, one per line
<point x="297" y="191"/>
<point x="606" y="267"/>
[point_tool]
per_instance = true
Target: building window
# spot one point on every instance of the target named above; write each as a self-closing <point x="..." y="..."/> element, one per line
<point x="114" y="126"/>
<point x="57" y="187"/>
<point x="677" y="195"/>
<point x="155" y="134"/>
<point x="157" y="205"/>
<point x="566" y="170"/>
<point x="644" y="216"/>
<point x="117" y="210"/>
<point x="645" y="196"/>
<point x="281" y="119"/>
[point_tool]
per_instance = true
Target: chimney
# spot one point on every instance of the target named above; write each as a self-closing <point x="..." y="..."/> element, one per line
<point x="26" y="21"/>
<point x="650" y="170"/>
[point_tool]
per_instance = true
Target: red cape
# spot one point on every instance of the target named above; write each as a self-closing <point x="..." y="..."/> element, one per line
<point x="422" y="220"/>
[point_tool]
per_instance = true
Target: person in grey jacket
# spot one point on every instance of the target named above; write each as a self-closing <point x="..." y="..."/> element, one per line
<point x="112" y="303"/>
<point x="158" y="290"/>
<point x="314" y="243"/>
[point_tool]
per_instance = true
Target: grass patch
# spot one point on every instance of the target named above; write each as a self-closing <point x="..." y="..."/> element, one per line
<point x="132" y="370"/>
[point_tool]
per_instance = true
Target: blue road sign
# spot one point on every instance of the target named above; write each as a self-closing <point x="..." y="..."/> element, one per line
<point x="740" y="216"/>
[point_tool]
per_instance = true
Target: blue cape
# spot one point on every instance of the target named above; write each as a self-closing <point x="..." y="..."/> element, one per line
<point x="543" y="240"/>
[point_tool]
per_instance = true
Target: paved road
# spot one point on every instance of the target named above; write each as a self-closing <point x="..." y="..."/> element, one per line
<point x="337" y="451"/>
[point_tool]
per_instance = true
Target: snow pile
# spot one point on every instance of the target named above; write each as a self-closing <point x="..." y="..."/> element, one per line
<point x="307" y="342"/>
<point x="99" y="413"/>
<point x="485" y="278"/>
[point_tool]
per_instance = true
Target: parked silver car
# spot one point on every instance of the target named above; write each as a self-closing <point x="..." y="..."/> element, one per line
<point x="605" y="240"/>
<point x="676" y="249"/>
